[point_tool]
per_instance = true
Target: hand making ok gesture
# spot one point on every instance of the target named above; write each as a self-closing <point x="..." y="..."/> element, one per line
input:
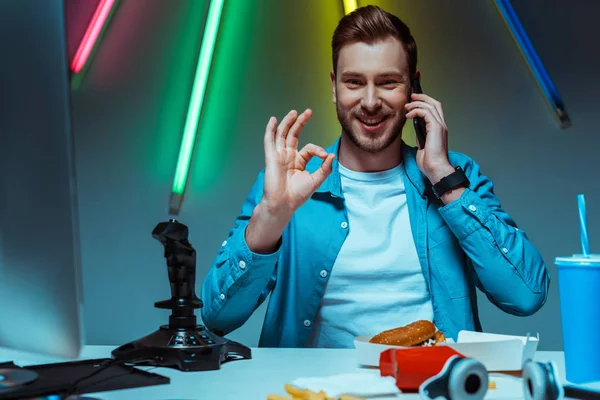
<point x="287" y="184"/>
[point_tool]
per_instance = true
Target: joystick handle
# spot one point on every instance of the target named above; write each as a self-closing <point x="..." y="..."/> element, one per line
<point x="181" y="264"/>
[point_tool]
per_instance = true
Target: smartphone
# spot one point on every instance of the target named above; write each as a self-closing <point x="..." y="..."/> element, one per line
<point x="418" y="122"/>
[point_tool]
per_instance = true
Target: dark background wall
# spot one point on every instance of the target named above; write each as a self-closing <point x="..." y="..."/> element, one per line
<point x="273" y="56"/>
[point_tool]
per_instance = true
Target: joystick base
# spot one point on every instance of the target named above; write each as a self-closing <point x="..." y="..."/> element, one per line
<point x="195" y="349"/>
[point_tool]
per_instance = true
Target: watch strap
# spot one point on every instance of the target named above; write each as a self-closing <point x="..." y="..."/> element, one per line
<point x="447" y="183"/>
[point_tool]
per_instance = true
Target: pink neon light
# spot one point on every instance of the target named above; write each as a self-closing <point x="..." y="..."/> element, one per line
<point x="91" y="34"/>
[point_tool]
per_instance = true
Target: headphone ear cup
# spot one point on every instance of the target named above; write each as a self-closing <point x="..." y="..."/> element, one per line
<point x="537" y="385"/>
<point x="535" y="381"/>
<point x="468" y="380"/>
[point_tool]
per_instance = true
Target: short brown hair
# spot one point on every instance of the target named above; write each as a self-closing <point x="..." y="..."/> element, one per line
<point x="370" y="24"/>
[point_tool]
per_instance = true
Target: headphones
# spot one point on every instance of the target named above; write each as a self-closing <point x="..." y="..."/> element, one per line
<point x="467" y="379"/>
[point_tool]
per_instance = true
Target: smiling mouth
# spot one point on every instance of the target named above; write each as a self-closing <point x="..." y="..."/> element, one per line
<point x="373" y="121"/>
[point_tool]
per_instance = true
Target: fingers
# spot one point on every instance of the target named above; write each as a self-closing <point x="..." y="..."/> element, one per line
<point x="309" y="151"/>
<point x="421" y="104"/>
<point x="292" y="136"/>
<point x="270" y="136"/>
<point x="430" y="100"/>
<point x="287" y="133"/>
<point x="424" y="113"/>
<point x="323" y="172"/>
<point x="284" y="128"/>
<point x="431" y="122"/>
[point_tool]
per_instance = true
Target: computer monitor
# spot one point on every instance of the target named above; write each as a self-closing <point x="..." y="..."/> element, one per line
<point x="40" y="276"/>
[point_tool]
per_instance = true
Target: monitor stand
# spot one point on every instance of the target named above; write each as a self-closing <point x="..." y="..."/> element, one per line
<point x="13" y="378"/>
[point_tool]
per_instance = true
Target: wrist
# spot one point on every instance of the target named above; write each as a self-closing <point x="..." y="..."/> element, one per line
<point x="451" y="186"/>
<point x="272" y="213"/>
<point x="263" y="234"/>
<point x="437" y="173"/>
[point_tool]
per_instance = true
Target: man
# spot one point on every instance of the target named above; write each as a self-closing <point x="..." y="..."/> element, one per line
<point x="369" y="234"/>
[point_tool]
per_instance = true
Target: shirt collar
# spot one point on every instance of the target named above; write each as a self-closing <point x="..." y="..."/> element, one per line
<point x="333" y="185"/>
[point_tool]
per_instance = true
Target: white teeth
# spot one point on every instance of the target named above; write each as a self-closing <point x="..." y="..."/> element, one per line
<point x="371" y="121"/>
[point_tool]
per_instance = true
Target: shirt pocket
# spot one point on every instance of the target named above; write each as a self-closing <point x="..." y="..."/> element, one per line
<point x="448" y="263"/>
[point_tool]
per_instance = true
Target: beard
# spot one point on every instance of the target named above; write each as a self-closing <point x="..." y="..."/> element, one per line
<point x="369" y="142"/>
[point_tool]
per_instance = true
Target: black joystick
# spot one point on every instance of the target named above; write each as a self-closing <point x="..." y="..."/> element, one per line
<point x="182" y="344"/>
<point x="181" y="263"/>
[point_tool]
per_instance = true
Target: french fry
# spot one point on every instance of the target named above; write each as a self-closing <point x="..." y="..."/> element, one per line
<point x="317" y="396"/>
<point x="298" y="393"/>
<point x="305" y="394"/>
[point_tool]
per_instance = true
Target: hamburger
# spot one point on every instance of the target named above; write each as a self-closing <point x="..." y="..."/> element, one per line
<point x="416" y="334"/>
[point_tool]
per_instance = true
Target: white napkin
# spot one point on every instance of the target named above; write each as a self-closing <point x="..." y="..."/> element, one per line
<point x="352" y="384"/>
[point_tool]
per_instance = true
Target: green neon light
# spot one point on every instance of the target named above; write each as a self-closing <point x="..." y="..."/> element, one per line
<point x="197" y="97"/>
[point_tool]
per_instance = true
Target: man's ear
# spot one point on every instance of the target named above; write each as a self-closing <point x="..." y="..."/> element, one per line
<point x="333" y="93"/>
<point x="418" y="75"/>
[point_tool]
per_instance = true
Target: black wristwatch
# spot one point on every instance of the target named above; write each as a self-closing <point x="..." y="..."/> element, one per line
<point x="455" y="179"/>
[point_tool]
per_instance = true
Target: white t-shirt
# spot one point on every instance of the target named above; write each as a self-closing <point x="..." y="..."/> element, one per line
<point x="376" y="282"/>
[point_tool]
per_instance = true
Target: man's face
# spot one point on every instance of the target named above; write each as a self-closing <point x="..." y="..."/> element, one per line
<point x="370" y="90"/>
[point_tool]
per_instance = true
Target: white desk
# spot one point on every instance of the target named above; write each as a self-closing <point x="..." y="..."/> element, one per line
<point x="266" y="373"/>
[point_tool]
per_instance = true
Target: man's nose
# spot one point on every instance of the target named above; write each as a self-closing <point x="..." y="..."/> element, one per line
<point x="371" y="100"/>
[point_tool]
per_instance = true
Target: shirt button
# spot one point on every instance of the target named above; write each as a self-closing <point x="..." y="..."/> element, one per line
<point x="323" y="274"/>
<point x="222" y="296"/>
<point x="306" y="323"/>
<point x="505" y="250"/>
<point x="224" y="243"/>
<point x="242" y="264"/>
<point x="344" y="225"/>
<point x="472" y="208"/>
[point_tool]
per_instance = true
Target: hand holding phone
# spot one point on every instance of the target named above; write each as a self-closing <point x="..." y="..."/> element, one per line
<point x="418" y="122"/>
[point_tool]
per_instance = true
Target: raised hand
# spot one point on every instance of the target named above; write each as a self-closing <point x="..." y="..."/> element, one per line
<point x="433" y="159"/>
<point x="287" y="184"/>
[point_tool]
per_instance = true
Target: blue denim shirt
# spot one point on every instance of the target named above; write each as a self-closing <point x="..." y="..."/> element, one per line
<point x="467" y="244"/>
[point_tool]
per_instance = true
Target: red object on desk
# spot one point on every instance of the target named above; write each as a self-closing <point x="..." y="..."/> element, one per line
<point x="414" y="365"/>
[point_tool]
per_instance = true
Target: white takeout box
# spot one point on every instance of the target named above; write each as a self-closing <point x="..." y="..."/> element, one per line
<point x="496" y="352"/>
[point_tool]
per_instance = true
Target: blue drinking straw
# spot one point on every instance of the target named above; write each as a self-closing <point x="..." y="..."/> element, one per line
<point x="583" y="225"/>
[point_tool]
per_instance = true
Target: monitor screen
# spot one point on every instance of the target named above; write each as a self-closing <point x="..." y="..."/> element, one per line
<point x="40" y="277"/>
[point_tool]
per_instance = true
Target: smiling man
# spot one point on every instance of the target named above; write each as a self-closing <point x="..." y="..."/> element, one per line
<point x="370" y="233"/>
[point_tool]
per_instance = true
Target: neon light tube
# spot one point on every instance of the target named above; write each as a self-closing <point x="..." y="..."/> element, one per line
<point x="349" y="6"/>
<point x="195" y="106"/>
<point x="91" y="35"/>
<point x="535" y="64"/>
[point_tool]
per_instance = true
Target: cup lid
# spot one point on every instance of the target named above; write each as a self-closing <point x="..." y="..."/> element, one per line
<point x="579" y="259"/>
